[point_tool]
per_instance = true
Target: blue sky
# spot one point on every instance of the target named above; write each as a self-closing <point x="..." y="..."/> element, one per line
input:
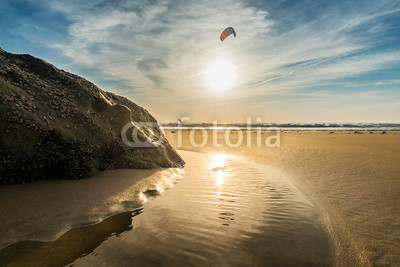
<point x="296" y="61"/>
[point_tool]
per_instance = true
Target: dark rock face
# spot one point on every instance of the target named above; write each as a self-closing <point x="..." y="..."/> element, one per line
<point x="54" y="124"/>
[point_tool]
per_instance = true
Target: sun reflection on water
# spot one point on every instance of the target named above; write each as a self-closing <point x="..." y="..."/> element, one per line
<point x="218" y="161"/>
<point x="226" y="198"/>
<point x="218" y="165"/>
<point x="220" y="174"/>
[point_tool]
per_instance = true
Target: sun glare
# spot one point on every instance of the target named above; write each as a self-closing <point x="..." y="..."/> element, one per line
<point x="218" y="161"/>
<point x="220" y="75"/>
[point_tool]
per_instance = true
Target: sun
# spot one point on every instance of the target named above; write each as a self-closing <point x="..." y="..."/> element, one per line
<point x="220" y="76"/>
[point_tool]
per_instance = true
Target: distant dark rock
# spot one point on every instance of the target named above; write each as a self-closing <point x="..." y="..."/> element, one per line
<point x="54" y="124"/>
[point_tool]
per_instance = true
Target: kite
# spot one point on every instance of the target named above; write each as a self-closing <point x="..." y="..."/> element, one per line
<point x="228" y="31"/>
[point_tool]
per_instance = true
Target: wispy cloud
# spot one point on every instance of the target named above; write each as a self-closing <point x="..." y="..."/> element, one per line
<point x="160" y="49"/>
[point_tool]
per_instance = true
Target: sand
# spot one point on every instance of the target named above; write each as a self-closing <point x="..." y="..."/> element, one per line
<point x="225" y="211"/>
<point x="45" y="210"/>
<point x="354" y="179"/>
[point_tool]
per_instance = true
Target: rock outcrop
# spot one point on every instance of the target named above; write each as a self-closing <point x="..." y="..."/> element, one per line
<point x="57" y="125"/>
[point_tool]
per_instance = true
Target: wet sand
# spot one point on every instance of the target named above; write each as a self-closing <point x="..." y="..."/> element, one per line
<point x="328" y="199"/>
<point x="44" y="210"/>
<point x="354" y="179"/>
<point x="225" y="211"/>
<point x="71" y="245"/>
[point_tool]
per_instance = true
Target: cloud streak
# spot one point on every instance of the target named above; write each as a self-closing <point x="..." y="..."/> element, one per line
<point x="160" y="49"/>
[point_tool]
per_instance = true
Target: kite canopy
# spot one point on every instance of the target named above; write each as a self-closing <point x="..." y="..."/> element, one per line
<point x="228" y="31"/>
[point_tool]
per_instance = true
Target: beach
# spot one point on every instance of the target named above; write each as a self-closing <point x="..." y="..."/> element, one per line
<point x="353" y="178"/>
<point x="199" y="133"/>
<point x="219" y="210"/>
<point x="318" y="198"/>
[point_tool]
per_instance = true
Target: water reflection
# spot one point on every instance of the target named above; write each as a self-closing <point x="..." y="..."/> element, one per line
<point x="221" y="172"/>
<point x="218" y="160"/>
<point x="75" y="243"/>
<point x="218" y="167"/>
<point x="224" y="212"/>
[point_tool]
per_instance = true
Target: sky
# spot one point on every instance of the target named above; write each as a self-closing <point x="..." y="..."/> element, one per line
<point x="295" y="61"/>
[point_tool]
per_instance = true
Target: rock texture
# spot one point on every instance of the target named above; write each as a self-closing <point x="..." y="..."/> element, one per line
<point x="54" y="124"/>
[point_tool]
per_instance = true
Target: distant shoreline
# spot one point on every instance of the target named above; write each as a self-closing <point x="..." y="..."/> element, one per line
<point x="288" y="130"/>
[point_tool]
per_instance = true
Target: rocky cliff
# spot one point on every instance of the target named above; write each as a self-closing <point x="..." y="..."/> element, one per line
<point x="54" y="124"/>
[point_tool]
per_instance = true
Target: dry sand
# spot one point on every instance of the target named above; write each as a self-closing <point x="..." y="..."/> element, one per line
<point x="353" y="178"/>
